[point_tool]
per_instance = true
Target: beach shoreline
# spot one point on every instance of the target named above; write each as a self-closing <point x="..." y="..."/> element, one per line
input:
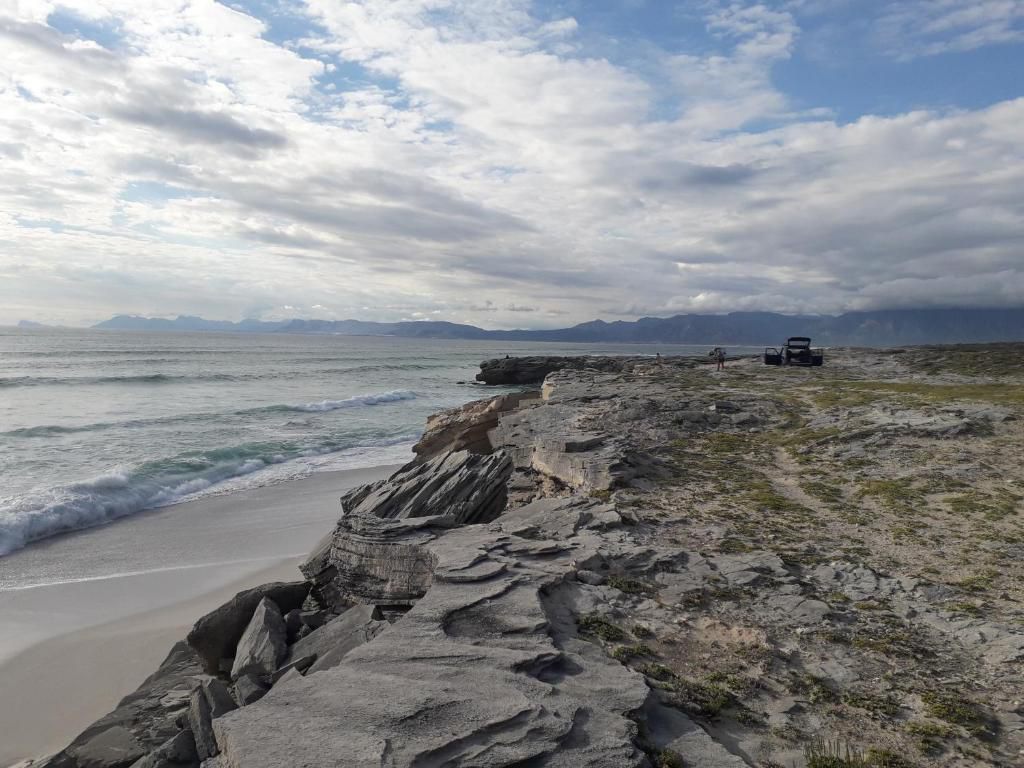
<point x="80" y="637"/>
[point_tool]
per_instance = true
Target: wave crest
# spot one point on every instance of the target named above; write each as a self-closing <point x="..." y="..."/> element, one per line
<point x="349" y="402"/>
<point x="124" y="491"/>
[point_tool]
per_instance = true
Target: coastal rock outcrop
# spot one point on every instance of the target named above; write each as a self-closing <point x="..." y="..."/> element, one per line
<point x="466" y="428"/>
<point x="473" y="674"/>
<point x="468" y="487"/>
<point x="512" y="371"/>
<point x="653" y="565"/>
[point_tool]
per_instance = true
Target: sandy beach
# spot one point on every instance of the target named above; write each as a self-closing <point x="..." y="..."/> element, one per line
<point x="88" y="616"/>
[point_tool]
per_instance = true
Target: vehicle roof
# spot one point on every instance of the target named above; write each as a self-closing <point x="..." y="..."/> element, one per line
<point x="799" y="338"/>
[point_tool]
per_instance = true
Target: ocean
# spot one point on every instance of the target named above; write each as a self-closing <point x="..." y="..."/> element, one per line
<point x="98" y="425"/>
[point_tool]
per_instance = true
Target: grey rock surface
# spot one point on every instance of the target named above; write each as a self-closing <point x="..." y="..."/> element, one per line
<point x="329" y="644"/>
<point x="249" y="688"/>
<point x="179" y="751"/>
<point x="468" y="487"/>
<point x="466" y="428"/>
<point x="215" y="636"/>
<point x="470" y="676"/>
<point x="263" y="644"/>
<point x="200" y="721"/>
<point x="114" y="747"/>
<point x="218" y="697"/>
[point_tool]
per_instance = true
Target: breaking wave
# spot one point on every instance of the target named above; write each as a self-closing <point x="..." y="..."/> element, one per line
<point x="349" y="402"/>
<point x="123" y="491"/>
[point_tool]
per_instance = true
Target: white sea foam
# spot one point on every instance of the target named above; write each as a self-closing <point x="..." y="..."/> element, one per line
<point x="29" y="517"/>
<point x="353" y="402"/>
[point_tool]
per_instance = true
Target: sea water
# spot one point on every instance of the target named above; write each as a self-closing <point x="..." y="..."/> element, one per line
<point x="99" y="425"/>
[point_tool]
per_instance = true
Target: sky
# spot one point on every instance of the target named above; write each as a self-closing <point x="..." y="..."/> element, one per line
<point x="507" y="163"/>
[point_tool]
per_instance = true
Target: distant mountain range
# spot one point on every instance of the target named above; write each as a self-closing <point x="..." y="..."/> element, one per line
<point x="880" y="328"/>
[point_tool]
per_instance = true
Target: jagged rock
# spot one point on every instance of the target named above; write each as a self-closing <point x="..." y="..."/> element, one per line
<point x="328" y="645"/>
<point x="209" y="701"/>
<point x="200" y="720"/>
<point x="215" y="636"/>
<point x="470" y="675"/>
<point x="465" y="428"/>
<point x="148" y="714"/>
<point x="177" y="752"/>
<point x="115" y="747"/>
<point x="359" y="563"/>
<point x="263" y="644"/>
<point x="218" y="697"/>
<point x="249" y="688"/>
<point x="467" y="487"/>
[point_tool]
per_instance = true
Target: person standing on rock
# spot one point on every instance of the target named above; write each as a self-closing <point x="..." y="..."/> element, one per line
<point x="720" y="358"/>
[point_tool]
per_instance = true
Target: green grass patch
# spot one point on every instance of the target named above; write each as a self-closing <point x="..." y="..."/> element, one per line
<point x="897" y="495"/>
<point x="979" y="582"/>
<point x="625" y="653"/>
<point x="857" y="393"/>
<point x="701" y="698"/>
<point x="598" y="626"/>
<point x="978" y="504"/>
<point x="878" y="706"/>
<point x="954" y="707"/>
<point x="666" y="758"/>
<point x="631" y="586"/>
<point x="657" y="672"/>
<point x="830" y="493"/>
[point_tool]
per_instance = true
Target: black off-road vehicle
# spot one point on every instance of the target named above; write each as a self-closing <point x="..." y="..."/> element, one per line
<point x="796" y="351"/>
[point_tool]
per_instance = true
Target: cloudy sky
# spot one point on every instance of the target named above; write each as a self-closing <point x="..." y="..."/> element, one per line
<point x="508" y="163"/>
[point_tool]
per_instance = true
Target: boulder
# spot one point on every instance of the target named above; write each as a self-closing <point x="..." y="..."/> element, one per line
<point x="218" y="697"/>
<point x="200" y="720"/>
<point x="263" y="644"/>
<point x="215" y="636"/>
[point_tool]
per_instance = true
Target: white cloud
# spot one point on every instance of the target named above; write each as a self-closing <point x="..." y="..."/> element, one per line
<point x="468" y="149"/>
<point x="912" y="28"/>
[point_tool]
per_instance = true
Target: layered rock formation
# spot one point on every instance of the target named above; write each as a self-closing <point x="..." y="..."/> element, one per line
<point x="654" y="565"/>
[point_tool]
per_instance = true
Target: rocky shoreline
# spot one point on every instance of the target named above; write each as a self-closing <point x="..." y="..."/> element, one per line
<point x="643" y="563"/>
